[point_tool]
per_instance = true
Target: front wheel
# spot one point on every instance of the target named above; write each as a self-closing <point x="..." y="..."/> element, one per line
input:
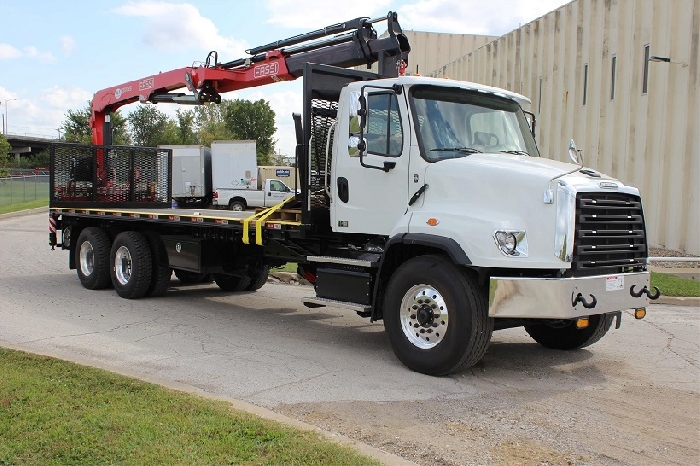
<point x="436" y="316"/>
<point x="564" y="335"/>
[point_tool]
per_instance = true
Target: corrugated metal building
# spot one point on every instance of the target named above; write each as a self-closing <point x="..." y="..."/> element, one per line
<point x="590" y="71"/>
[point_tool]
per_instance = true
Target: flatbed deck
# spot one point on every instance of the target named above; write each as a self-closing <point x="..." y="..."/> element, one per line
<point x="248" y="221"/>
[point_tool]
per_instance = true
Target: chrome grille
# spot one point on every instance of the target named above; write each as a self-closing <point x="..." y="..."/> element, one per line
<point x="610" y="234"/>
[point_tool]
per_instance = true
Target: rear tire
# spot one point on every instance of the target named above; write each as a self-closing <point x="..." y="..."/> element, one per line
<point x="258" y="277"/>
<point x="231" y="282"/>
<point x="189" y="278"/>
<point x="131" y="265"/>
<point x="237" y="206"/>
<point x="436" y="316"/>
<point x="567" y="336"/>
<point x="92" y="251"/>
<point x="161" y="273"/>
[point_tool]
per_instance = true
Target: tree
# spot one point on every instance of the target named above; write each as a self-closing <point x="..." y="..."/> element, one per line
<point x="4" y="156"/>
<point x="210" y="125"/>
<point x="150" y="127"/>
<point x="185" y="126"/>
<point x="251" y="120"/>
<point x="76" y="127"/>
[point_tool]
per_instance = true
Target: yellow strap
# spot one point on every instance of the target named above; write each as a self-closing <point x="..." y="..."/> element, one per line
<point x="263" y="215"/>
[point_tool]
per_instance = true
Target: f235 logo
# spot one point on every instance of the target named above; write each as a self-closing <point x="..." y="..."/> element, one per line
<point x="268" y="69"/>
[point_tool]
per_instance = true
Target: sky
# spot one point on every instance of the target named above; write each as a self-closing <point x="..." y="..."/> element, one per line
<point x="54" y="55"/>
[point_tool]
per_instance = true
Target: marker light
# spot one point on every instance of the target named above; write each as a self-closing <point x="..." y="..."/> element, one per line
<point x="640" y="313"/>
<point x="582" y="322"/>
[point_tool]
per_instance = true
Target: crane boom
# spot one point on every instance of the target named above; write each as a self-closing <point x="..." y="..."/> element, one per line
<point x="348" y="44"/>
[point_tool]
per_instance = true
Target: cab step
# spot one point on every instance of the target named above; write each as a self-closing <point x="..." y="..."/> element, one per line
<point x="315" y="302"/>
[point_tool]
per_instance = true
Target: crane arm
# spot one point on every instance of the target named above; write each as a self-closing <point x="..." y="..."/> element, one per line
<point x="348" y="44"/>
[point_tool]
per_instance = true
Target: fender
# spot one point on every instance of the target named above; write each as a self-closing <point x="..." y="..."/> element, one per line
<point x="447" y="245"/>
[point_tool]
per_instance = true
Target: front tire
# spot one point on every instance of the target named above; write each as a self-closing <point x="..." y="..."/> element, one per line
<point x="131" y="265"/>
<point x="92" y="258"/>
<point x="436" y="316"/>
<point x="565" y="335"/>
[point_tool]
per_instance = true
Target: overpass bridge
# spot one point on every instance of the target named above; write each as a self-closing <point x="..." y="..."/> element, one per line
<point x="28" y="145"/>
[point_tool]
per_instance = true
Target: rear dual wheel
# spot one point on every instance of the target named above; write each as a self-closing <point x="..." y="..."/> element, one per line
<point x="131" y="265"/>
<point x="92" y="258"/>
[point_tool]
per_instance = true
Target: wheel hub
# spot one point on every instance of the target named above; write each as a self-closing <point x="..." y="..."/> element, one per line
<point x="122" y="265"/>
<point x="424" y="316"/>
<point x="87" y="259"/>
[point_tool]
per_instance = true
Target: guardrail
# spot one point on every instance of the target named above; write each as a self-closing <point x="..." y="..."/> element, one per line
<point x="23" y="188"/>
<point x="673" y="259"/>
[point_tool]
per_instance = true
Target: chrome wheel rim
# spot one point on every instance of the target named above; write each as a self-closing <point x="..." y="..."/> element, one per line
<point x="236" y="207"/>
<point x="122" y="265"/>
<point x="424" y="316"/>
<point x="87" y="259"/>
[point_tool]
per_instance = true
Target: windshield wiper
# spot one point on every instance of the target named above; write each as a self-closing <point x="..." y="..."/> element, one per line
<point x="516" y="152"/>
<point x="464" y="150"/>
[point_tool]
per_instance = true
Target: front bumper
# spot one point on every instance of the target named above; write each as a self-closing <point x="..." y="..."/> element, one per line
<point x="555" y="298"/>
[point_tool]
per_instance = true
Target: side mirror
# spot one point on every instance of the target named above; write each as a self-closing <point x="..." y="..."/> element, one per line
<point x="362" y="112"/>
<point x="574" y="153"/>
<point x="531" y="121"/>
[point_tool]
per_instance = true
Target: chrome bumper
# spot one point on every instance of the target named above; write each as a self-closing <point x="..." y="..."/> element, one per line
<point x="555" y="298"/>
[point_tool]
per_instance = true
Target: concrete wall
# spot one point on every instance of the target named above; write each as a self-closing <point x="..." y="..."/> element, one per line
<point x="432" y="50"/>
<point x="650" y="140"/>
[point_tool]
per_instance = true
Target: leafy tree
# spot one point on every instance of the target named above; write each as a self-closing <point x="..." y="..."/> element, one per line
<point x="251" y="120"/>
<point x="185" y="127"/>
<point x="4" y="156"/>
<point x="150" y="127"/>
<point x="210" y="124"/>
<point x="76" y="127"/>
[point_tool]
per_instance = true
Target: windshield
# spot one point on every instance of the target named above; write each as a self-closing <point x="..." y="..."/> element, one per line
<point x="456" y="122"/>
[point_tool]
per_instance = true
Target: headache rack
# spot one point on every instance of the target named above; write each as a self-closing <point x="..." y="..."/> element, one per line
<point x="610" y="236"/>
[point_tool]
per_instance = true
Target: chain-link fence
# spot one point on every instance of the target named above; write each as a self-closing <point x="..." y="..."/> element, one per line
<point x="23" y="188"/>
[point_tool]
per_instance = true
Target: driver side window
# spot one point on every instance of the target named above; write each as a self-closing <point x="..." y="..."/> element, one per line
<point x="384" y="130"/>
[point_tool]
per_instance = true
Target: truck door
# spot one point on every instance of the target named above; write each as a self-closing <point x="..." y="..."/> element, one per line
<point x="275" y="192"/>
<point x="369" y="188"/>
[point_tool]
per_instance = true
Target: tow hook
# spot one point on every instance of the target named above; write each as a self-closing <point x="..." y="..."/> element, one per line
<point x="645" y="290"/>
<point x="580" y="299"/>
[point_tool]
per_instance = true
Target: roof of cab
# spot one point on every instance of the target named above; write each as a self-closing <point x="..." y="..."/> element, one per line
<point x="413" y="80"/>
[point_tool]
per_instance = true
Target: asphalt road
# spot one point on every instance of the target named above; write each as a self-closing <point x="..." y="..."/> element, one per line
<point x="632" y="398"/>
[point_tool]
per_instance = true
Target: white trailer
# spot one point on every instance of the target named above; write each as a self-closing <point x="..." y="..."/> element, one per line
<point x="234" y="164"/>
<point x="191" y="172"/>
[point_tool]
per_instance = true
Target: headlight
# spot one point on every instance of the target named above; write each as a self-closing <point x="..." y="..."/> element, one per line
<point x="511" y="242"/>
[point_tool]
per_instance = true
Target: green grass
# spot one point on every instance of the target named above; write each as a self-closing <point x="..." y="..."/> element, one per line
<point x="54" y="412"/>
<point x="671" y="285"/>
<point x="288" y="267"/>
<point x="4" y="209"/>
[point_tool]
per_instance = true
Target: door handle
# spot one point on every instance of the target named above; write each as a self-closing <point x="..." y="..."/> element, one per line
<point x="343" y="189"/>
